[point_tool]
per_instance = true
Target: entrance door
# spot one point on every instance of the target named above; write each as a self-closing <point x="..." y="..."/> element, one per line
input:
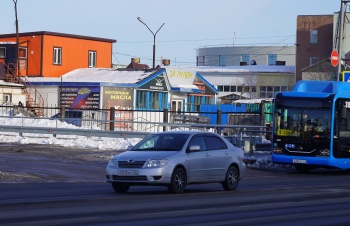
<point x="176" y="105"/>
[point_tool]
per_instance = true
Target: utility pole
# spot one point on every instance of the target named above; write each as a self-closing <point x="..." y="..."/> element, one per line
<point x="17" y="43"/>
<point x="340" y="37"/>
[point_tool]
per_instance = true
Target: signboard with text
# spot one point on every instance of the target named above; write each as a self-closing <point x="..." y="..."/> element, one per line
<point x="180" y="76"/>
<point x="80" y="97"/>
<point x="156" y="84"/>
<point x="122" y="100"/>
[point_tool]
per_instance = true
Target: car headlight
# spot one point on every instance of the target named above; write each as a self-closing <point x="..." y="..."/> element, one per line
<point x="156" y="163"/>
<point x="113" y="163"/>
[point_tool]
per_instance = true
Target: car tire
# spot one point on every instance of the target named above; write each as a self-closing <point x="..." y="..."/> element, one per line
<point x="178" y="181"/>
<point x="120" y="187"/>
<point x="231" y="179"/>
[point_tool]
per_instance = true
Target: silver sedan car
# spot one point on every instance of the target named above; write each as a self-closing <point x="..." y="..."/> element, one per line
<point x="176" y="159"/>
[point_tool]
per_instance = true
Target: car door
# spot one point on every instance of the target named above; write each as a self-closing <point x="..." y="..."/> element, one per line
<point x="198" y="161"/>
<point x="219" y="156"/>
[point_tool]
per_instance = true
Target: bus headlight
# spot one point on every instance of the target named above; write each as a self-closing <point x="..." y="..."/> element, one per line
<point x="277" y="151"/>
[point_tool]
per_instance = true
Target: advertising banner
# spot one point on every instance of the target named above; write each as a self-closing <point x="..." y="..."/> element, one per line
<point x="122" y="100"/>
<point x="80" y="97"/>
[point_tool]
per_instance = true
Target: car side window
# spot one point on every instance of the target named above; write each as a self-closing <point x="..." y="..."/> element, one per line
<point x="198" y="140"/>
<point x="214" y="143"/>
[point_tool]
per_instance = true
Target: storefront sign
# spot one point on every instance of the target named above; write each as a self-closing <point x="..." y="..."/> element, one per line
<point x="156" y="84"/>
<point x="180" y="76"/>
<point x="121" y="99"/>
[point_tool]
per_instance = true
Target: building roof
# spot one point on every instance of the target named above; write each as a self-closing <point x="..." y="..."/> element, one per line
<point x="116" y="77"/>
<point x="247" y="68"/>
<point x="58" y="34"/>
<point x="102" y="76"/>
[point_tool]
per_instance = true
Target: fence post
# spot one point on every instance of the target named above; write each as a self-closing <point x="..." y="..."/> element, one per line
<point x="62" y="111"/>
<point x="165" y="118"/>
<point x="112" y="118"/>
<point x="218" y="121"/>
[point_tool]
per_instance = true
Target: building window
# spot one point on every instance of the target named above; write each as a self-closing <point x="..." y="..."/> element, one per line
<point x="220" y="88"/>
<point x="284" y="88"/>
<point x="22" y="52"/>
<point x="270" y="91"/>
<point x="222" y="60"/>
<point x="205" y="60"/>
<point x="313" y="60"/>
<point x="141" y="99"/>
<point x="313" y="36"/>
<point x="57" y="55"/>
<point x="2" y="52"/>
<point x="271" y="59"/>
<point x="194" y="102"/>
<point x="233" y="88"/>
<point x="147" y="100"/>
<point x="92" y="58"/>
<point x="245" y="58"/>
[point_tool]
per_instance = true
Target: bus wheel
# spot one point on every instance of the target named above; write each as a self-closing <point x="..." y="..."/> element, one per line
<point x="302" y="168"/>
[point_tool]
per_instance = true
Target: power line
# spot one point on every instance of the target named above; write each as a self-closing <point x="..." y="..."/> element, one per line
<point x="200" y="40"/>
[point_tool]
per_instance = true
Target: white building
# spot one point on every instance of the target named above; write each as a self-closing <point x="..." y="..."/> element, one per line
<point x="248" y="82"/>
<point x="246" y="55"/>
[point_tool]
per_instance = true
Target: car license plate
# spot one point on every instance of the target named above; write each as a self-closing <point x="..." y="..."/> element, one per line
<point x="128" y="172"/>
<point x="302" y="161"/>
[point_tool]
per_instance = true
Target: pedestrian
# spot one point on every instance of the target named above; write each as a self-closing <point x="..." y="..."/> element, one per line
<point x="20" y="104"/>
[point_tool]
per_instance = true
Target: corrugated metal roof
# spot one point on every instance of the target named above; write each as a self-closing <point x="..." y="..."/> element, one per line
<point x="99" y="75"/>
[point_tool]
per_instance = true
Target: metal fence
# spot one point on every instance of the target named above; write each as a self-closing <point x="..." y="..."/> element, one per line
<point x="131" y="123"/>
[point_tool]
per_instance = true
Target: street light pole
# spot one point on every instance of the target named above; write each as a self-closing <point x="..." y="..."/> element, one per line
<point x="17" y="44"/>
<point x="154" y="38"/>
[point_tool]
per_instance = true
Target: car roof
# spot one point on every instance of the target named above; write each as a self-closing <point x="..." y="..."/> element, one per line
<point x="190" y="132"/>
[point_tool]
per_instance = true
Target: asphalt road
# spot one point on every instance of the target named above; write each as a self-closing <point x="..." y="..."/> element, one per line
<point x="55" y="186"/>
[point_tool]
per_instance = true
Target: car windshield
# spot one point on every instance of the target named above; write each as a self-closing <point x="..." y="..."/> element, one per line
<point x="162" y="142"/>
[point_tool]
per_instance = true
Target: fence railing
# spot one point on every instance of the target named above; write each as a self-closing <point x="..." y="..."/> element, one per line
<point x="97" y="123"/>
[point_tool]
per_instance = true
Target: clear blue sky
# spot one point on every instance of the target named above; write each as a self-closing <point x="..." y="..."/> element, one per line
<point x="189" y="24"/>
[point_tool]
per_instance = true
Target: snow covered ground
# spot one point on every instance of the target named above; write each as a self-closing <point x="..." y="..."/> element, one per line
<point x="257" y="160"/>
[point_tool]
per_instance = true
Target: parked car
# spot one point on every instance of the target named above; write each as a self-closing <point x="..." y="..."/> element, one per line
<point x="70" y="116"/>
<point x="176" y="159"/>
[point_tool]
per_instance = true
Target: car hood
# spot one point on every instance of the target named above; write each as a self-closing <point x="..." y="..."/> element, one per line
<point x="143" y="155"/>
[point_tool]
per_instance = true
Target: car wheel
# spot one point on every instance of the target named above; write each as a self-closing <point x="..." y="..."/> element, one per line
<point x="120" y="187"/>
<point x="231" y="180"/>
<point x="178" y="181"/>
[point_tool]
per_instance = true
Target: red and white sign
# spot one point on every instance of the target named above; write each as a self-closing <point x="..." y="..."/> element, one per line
<point x="335" y="58"/>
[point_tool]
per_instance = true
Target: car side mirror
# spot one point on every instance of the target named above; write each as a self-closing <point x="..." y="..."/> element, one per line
<point x="130" y="147"/>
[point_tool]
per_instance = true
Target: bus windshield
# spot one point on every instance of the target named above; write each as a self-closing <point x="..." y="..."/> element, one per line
<point x="304" y="118"/>
<point x="303" y="122"/>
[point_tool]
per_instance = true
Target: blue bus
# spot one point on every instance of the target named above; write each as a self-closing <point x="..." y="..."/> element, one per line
<point x="311" y="128"/>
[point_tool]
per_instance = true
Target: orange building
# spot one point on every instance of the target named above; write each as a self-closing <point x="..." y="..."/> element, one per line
<point x="51" y="54"/>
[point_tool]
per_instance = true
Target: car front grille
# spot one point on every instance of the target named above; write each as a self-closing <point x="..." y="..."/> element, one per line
<point x="129" y="164"/>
